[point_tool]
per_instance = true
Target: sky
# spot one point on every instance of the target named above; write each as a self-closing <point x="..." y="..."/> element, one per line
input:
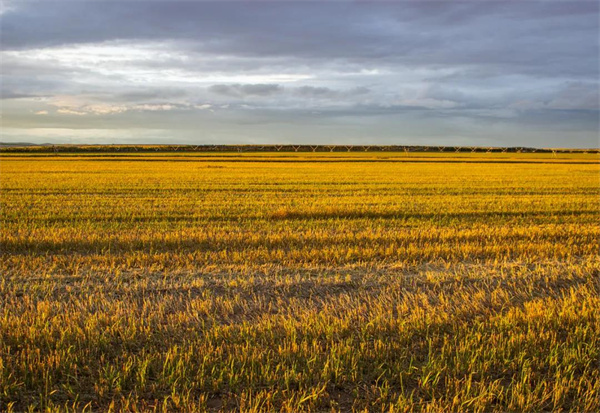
<point x="475" y="73"/>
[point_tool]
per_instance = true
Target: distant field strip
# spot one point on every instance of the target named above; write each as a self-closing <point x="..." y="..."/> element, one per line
<point x="366" y="157"/>
<point x="300" y="281"/>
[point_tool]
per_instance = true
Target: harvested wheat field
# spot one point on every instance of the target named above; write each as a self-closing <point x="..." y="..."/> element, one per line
<point x="300" y="282"/>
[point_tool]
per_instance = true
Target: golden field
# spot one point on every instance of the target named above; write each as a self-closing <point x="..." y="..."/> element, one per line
<point x="300" y="282"/>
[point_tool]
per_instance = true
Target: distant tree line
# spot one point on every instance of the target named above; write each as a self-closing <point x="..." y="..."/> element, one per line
<point x="279" y="148"/>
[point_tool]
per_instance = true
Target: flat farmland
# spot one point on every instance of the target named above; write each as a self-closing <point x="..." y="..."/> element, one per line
<point x="300" y="282"/>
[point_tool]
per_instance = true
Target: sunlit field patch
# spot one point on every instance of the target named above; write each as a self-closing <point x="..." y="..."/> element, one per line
<point x="299" y="282"/>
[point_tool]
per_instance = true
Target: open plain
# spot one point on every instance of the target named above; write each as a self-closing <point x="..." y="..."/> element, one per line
<point x="299" y="282"/>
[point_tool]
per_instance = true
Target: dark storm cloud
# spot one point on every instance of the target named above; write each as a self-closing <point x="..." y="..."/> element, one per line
<point x="442" y="65"/>
<point x="525" y="35"/>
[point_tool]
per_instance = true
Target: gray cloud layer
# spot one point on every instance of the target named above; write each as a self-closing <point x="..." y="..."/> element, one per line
<point x="489" y="73"/>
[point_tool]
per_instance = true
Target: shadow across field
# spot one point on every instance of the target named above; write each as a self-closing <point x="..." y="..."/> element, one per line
<point x="298" y="215"/>
<point x="247" y="245"/>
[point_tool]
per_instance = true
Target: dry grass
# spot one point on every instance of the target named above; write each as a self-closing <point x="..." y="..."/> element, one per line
<point x="243" y="282"/>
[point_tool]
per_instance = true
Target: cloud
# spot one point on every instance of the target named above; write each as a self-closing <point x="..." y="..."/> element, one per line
<point x="328" y="93"/>
<point x="576" y="95"/>
<point x="66" y="111"/>
<point x="520" y="34"/>
<point x="239" y="90"/>
<point x="107" y="109"/>
<point x="151" y="95"/>
<point x="339" y="69"/>
<point x="9" y="94"/>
